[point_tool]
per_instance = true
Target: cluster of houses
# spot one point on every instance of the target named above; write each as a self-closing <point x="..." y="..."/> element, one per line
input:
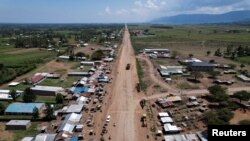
<point x="191" y="64"/>
<point x="91" y="84"/>
<point x="157" y="53"/>
<point x="170" y="130"/>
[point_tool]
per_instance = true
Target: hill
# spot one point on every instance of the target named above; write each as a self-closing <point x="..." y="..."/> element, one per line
<point x="229" y="17"/>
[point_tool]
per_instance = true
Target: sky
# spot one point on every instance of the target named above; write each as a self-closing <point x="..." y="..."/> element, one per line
<point x="109" y="11"/>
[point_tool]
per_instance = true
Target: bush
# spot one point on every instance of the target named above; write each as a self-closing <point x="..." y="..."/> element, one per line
<point x="97" y="55"/>
<point x="244" y="122"/>
<point x="2" y="108"/>
<point x="29" y="96"/>
<point x="59" y="99"/>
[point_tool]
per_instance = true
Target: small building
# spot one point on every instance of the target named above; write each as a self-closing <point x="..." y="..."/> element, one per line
<point x="230" y="72"/>
<point x="174" y="98"/>
<point x="163" y="114"/>
<point x="70" y="122"/>
<point x="181" y="137"/>
<point x="82" y="99"/>
<point x="63" y="57"/>
<point x="108" y="59"/>
<point x="202" y="135"/>
<point x="226" y="82"/>
<point x="45" y="137"/>
<point x="77" y="90"/>
<point x="170" y="70"/>
<point x="170" y="129"/>
<point x="5" y="94"/>
<point x="13" y="84"/>
<point x="86" y="74"/>
<point x="73" y="108"/>
<point x="243" y="78"/>
<point x="190" y="61"/>
<point x="23" y="108"/>
<point x="28" y="139"/>
<point x="165" y="120"/>
<point x="17" y="125"/>
<point x="103" y="78"/>
<point x="159" y="50"/>
<point x="53" y="76"/>
<point x="87" y="63"/>
<point x="46" y="90"/>
<point x="201" y="66"/>
<point x="37" y="78"/>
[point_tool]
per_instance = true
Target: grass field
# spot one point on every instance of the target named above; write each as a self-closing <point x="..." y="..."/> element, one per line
<point x="196" y="40"/>
<point x="31" y="131"/>
<point x="57" y="82"/>
<point x="196" y="33"/>
<point x="25" y="57"/>
<point x="245" y="60"/>
<point x="46" y="99"/>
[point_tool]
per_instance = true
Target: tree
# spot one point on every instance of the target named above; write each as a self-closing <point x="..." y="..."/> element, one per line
<point x="242" y="66"/>
<point x="13" y="94"/>
<point x="97" y="55"/>
<point x="197" y="75"/>
<point x="217" y="52"/>
<point x="28" y="95"/>
<point x="59" y="99"/>
<point x="175" y="53"/>
<point x="221" y="117"/>
<point x="35" y="113"/>
<point x="225" y="114"/>
<point x="212" y="119"/>
<point x="80" y="54"/>
<point x="208" y="53"/>
<point x="244" y="122"/>
<point x="233" y="66"/>
<point x="191" y="55"/>
<point x="242" y="95"/>
<point x="218" y="93"/>
<point x="71" y="57"/>
<point x="214" y="74"/>
<point x="2" y="108"/>
<point x="49" y="112"/>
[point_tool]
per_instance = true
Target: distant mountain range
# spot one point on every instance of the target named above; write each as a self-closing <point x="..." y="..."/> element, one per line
<point x="230" y="17"/>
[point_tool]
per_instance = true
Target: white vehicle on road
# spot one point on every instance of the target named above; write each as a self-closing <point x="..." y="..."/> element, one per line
<point x="108" y="118"/>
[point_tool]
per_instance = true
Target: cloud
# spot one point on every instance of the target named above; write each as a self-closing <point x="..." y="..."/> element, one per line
<point x="107" y="10"/>
<point x="145" y="10"/>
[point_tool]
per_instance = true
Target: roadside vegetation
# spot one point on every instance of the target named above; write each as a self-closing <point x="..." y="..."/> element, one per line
<point x="140" y="73"/>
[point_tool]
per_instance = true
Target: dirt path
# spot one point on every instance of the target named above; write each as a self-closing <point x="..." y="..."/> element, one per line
<point x="239" y="115"/>
<point x="124" y="106"/>
<point x="153" y="75"/>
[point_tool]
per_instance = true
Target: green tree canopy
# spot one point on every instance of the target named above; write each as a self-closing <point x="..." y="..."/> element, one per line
<point x="242" y="95"/>
<point x="214" y="74"/>
<point x="28" y="95"/>
<point x="197" y="75"/>
<point x="13" y="94"/>
<point x="97" y="55"/>
<point x="49" y="112"/>
<point x="59" y="99"/>
<point x="2" y="108"/>
<point x="218" y="93"/>
<point x="244" y="122"/>
<point x="221" y="117"/>
<point x="35" y="113"/>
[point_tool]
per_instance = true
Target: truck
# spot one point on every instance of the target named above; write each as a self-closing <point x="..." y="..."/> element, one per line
<point x="127" y="66"/>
